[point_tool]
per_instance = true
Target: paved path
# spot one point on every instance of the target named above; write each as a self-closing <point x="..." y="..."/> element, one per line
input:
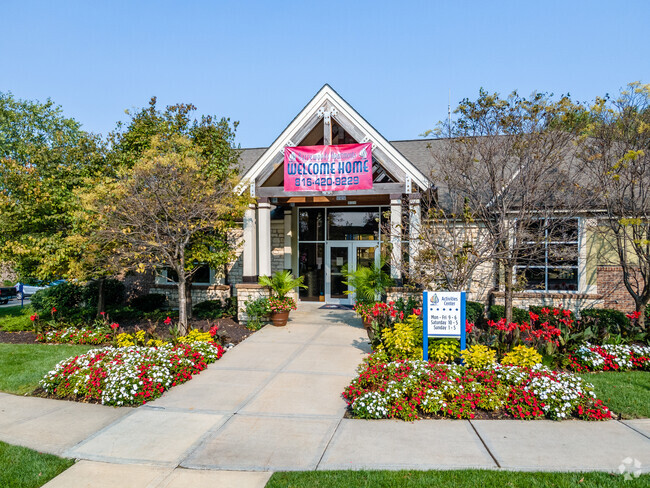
<point x="273" y="403"/>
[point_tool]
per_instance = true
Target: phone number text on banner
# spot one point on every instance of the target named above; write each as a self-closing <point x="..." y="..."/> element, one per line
<point x="328" y="168"/>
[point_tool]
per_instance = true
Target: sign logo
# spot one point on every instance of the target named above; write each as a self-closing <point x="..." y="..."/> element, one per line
<point x="434" y="299"/>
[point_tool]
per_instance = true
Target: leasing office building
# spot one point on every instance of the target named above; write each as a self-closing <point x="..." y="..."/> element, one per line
<point x="331" y="191"/>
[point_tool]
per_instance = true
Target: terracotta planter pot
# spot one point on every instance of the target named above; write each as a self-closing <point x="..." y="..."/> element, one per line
<point x="279" y="319"/>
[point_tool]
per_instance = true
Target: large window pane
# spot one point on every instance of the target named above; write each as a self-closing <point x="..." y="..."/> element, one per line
<point x="353" y="224"/>
<point x="311" y="224"/>
<point x="311" y="265"/>
<point x="563" y="279"/>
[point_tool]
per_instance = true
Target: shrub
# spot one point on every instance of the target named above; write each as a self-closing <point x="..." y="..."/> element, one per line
<point x="444" y="350"/>
<point x="214" y="309"/>
<point x="474" y="312"/>
<point x="149" y="302"/>
<point x="256" y="310"/>
<point x="478" y="356"/>
<point x="498" y="312"/>
<point x="65" y="298"/>
<point x="606" y="321"/>
<point x="525" y="357"/>
<point x="113" y="293"/>
<point x="404" y="339"/>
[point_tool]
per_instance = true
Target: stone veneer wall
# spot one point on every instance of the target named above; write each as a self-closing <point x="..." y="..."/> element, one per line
<point x="7" y="273"/>
<point x="200" y="293"/>
<point x="610" y="284"/>
<point x="277" y="245"/>
<point x="253" y="291"/>
<point x="569" y="301"/>
<point x="395" y="293"/>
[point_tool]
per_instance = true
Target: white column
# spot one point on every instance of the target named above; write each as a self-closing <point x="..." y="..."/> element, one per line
<point x="264" y="237"/>
<point x="250" y="244"/>
<point x="414" y="230"/>
<point x="287" y="239"/>
<point x="395" y="236"/>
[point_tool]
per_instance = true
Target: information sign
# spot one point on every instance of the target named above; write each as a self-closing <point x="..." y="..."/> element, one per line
<point x="443" y="316"/>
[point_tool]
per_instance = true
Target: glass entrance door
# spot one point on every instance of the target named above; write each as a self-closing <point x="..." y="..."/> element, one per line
<point x="338" y="261"/>
<point x="342" y="257"/>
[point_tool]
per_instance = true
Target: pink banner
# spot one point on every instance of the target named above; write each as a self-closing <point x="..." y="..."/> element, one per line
<point x="328" y="168"/>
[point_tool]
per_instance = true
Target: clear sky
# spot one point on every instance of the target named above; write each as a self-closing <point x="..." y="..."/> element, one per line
<point x="260" y="62"/>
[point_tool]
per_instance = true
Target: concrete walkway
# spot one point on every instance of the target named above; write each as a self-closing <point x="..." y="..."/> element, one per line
<point x="273" y="403"/>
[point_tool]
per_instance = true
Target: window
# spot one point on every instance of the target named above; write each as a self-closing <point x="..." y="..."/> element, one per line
<point x="200" y="277"/>
<point x="550" y="262"/>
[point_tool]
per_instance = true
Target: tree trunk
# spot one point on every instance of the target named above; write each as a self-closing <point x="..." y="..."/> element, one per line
<point x="507" y="289"/>
<point x="188" y="298"/>
<point x="182" y="304"/>
<point x="101" y="297"/>
<point x="641" y="308"/>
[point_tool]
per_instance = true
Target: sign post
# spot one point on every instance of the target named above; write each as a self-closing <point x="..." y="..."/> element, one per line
<point x="444" y="316"/>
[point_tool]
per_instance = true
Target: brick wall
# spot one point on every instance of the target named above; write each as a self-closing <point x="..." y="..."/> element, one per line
<point x="610" y="284"/>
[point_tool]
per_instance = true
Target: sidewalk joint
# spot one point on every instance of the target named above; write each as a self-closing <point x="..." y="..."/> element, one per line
<point x="485" y="445"/>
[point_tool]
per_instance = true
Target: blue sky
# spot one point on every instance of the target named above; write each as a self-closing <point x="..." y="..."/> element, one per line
<point x="259" y="62"/>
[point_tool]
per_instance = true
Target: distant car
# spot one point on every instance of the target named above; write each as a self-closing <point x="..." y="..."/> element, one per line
<point x="29" y="290"/>
<point x="6" y="294"/>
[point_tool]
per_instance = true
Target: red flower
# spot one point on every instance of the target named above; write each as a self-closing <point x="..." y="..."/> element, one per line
<point x="417" y="311"/>
<point x="168" y="321"/>
<point x="546" y="310"/>
<point x="53" y="309"/>
<point x="556" y="311"/>
<point x="33" y="317"/>
<point x="114" y="325"/>
<point x="102" y="313"/>
<point x="566" y="313"/>
<point x="213" y="330"/>
<point x="533" y="316"/>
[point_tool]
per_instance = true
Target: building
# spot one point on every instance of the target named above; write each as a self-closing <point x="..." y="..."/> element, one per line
<point x="318" y="234"/>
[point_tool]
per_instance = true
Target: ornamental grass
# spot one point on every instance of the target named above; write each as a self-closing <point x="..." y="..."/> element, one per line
<point x="412" y="389"/>
<point x="133" y="375"/>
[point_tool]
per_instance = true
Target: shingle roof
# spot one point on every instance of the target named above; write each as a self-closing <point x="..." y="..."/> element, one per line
<point x="416" y="151"/>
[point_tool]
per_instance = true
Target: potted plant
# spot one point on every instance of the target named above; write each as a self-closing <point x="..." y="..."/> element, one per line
<point x="279" y="304"/>
<point x="369" y="284"/>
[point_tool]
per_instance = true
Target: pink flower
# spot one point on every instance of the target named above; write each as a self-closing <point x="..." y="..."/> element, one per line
<point x="168" y="321"/>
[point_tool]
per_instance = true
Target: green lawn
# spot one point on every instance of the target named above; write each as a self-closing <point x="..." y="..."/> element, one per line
<point x="23" y="468"/>
<point x="23" y="365"/>
<point x="452" y="479"/>
<point x="16" y="318"/>
<point x="627" y="393"/>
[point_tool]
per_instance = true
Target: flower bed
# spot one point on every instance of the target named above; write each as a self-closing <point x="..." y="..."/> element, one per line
<point x="128" y="375"/>
<point x="610" y="357"/>
<point x="73" y="335"/>
<point x="411" y="389"/>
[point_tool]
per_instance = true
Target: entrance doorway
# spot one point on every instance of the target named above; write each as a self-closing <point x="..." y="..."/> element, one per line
<point x="346" y="256"/>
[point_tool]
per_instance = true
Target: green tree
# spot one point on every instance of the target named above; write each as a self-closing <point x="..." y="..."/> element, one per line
<point x="168" y="210"/>
<point x="500" y="170"/>
<point x="213" y="139"/>
<point x="615" y="152"/>
<point x="45" y="158"/>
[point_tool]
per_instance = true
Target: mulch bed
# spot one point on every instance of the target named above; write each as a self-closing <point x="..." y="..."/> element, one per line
<point x="230" y="332"/>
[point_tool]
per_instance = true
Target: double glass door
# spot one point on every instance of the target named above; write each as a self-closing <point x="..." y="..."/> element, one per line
<point x="342" y="257"/>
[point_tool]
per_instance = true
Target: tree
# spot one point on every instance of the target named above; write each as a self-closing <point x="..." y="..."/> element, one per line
<point x="44" y="159"/>
<point x="212" y="137"/>
<point x="501" y="171"/>
<point x="615" y="151"/>
<point x="168" y="210"/>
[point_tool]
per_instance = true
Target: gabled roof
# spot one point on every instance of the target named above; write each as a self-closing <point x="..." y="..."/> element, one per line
<point x="259" y="162"/>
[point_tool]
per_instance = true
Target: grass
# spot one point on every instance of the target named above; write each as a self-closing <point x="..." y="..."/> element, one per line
<point x="16" y="318"/>
<point x="23" y="365"/>
<point x="23" y="468"/>
<point x="627" y="393"/>
<point x="442" y="479"/>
